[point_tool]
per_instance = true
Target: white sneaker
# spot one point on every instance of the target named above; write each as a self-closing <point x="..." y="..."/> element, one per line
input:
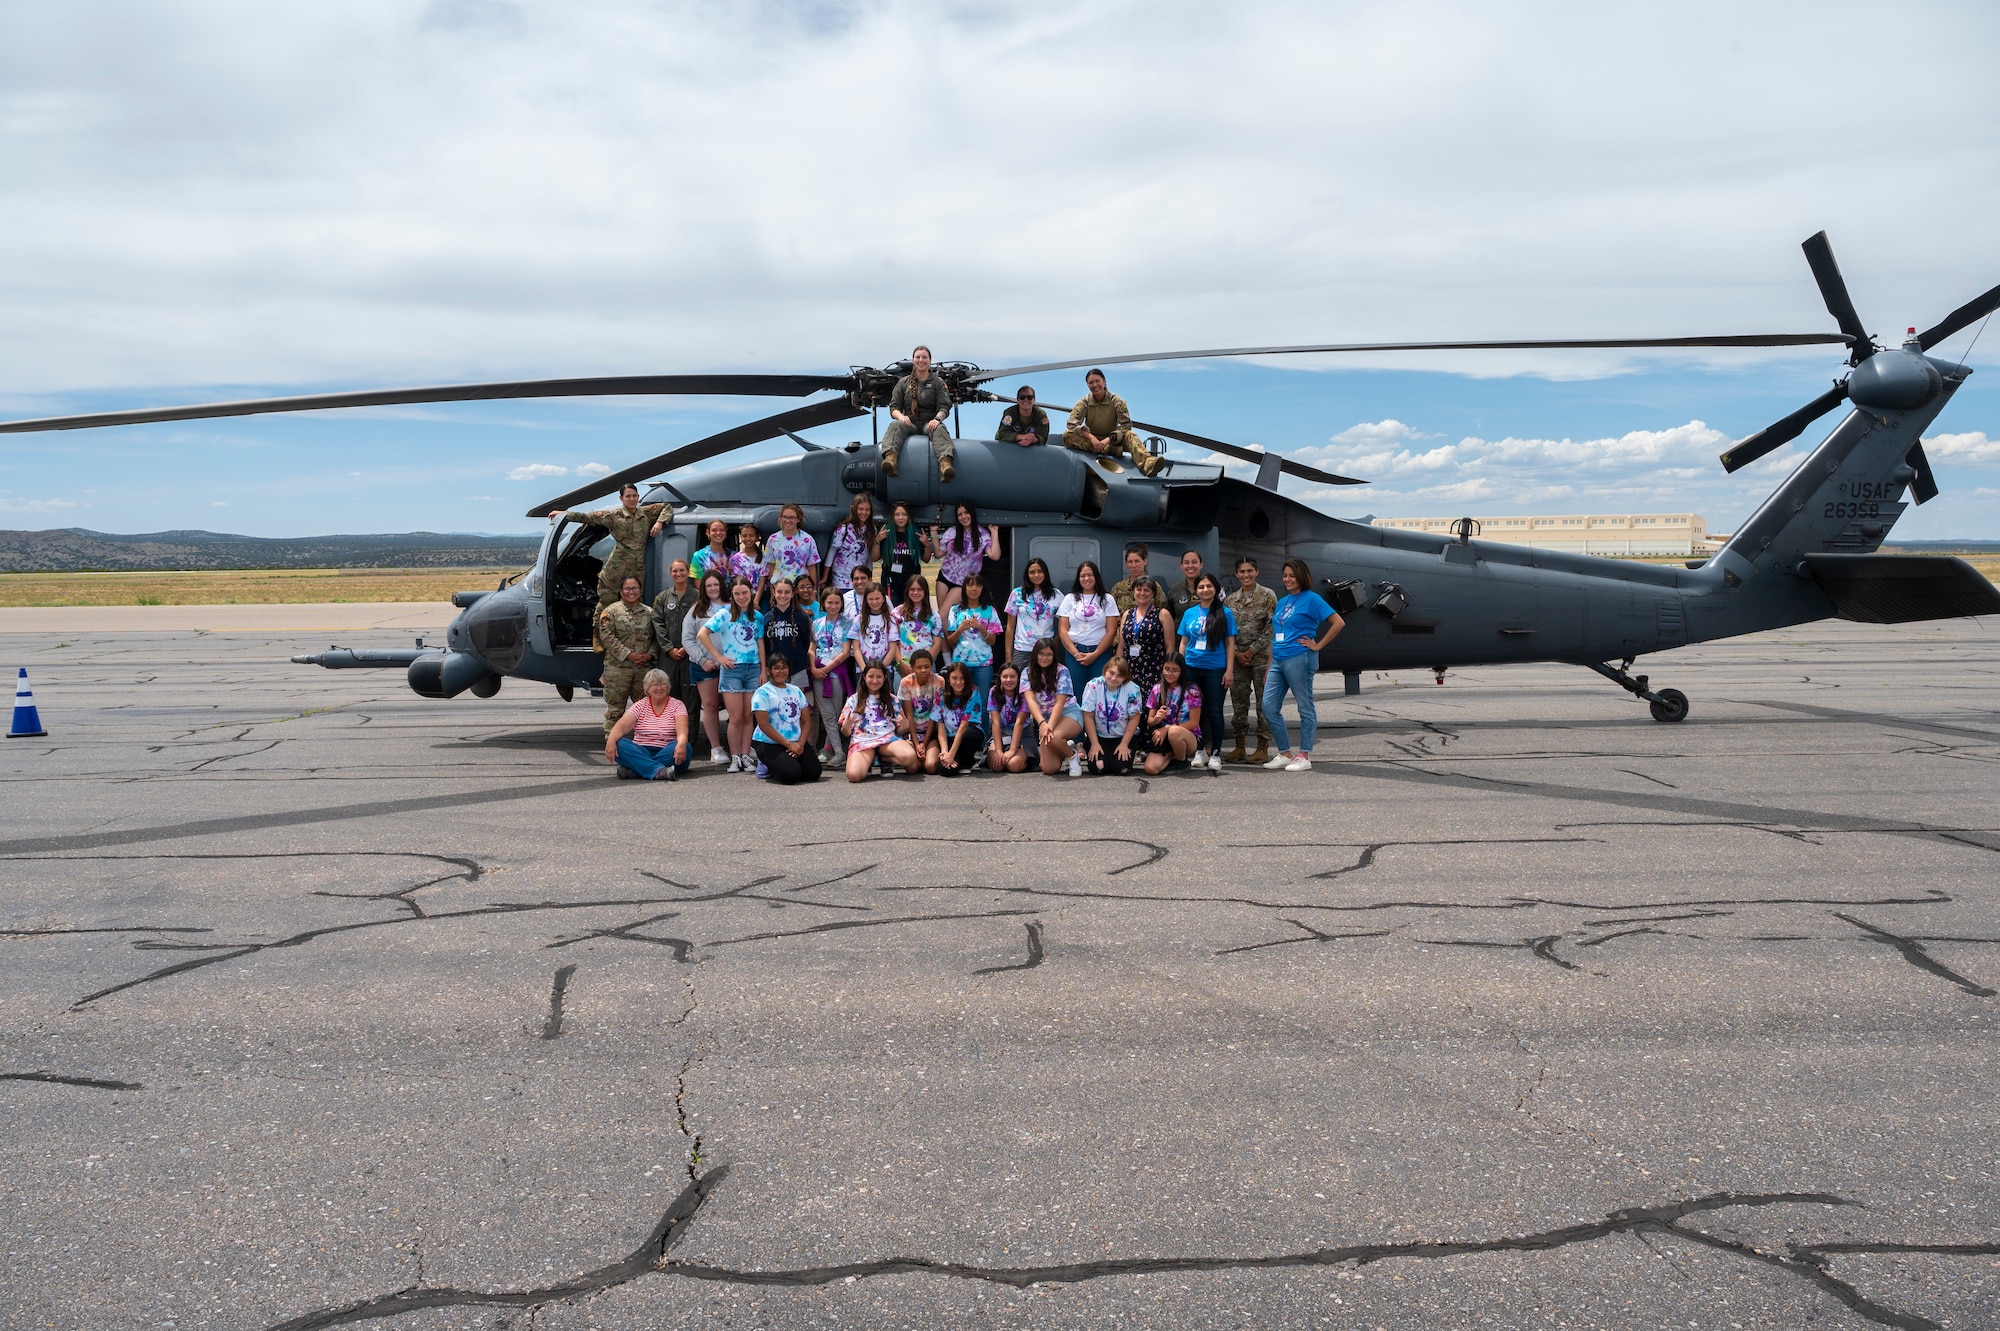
<point x="724" y="760"/>
<point x="1200" y="758"/>
<point x="1299" y="764"/>
<point x="1075" y="765"/>
<point x="1215" y="762"/>
<point x="1279" y="763"/>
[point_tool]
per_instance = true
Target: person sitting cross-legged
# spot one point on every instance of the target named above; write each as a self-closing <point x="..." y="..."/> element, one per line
<point x="651" y="740"/>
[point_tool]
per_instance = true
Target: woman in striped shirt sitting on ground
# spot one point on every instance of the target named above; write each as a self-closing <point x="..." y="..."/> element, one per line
<point x="650" y="741"/>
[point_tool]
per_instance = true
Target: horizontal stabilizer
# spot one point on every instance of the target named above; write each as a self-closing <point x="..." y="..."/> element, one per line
<point x="1902" y="589"/>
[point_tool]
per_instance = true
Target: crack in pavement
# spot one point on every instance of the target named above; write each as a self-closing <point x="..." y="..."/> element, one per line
<point x="1035" y="954"/>
<point x="1915" y="953"/>
<point x="553" y="1026"/>
<point x="1312" y="936"/>
<point x="864" y="924"/>
<point x="1369" y="849"/>
<point x="744" y="893"/>
<point x="1154" y="851"/>
<point x="260" y="822"/>
<point x="653" y="1256"/>
<point x="628" y="932"/>
<point x="646" y="1258"/>
<point x="1519" y="903"/>
<point x="94" y="1083"/>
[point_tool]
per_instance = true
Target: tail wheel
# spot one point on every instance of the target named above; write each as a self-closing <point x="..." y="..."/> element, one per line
<point x="1670" y="705"/>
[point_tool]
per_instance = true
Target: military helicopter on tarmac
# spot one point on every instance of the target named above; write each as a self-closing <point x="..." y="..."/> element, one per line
<point x="1411" y="600"/>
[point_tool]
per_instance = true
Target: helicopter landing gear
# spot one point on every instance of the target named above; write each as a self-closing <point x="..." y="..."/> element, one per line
<point x="1667" y="704"/>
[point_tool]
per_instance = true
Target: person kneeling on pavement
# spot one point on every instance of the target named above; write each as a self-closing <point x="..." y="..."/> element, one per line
<point x="651" y="740"/>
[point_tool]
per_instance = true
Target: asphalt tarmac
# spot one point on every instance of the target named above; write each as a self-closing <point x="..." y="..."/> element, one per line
<point x="327" y="1005"/>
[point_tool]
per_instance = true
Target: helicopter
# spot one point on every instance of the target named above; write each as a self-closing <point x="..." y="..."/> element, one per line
<point x="1411" y="600"/>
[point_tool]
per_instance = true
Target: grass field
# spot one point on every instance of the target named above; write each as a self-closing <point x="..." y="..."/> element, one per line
<point x="319" y="586"/>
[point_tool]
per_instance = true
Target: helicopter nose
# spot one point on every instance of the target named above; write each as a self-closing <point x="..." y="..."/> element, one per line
<point x="495" y="628"/>
<point x="1894" y="381"/>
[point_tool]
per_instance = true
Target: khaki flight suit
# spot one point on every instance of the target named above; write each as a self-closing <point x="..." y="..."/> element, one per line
<point x="628" y="557"/>
<point x="1109" y="419"/>
<point x="928" y="404"/>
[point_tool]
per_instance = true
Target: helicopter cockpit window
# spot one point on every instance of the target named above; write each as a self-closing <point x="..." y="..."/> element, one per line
<point x="581" y="551"/>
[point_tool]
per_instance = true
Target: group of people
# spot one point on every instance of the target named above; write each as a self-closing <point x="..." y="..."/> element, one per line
<point x="1100" y="423"/>
<point x="816" y="662"/>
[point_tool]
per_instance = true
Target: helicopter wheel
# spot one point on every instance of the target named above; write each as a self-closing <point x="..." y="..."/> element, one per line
<point x="1670" y="705"/>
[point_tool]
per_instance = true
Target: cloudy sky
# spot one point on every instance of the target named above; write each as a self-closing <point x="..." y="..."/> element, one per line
<point x="214" y="198"/>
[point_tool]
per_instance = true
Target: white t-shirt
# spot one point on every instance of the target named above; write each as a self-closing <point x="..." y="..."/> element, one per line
<point x="1087" y="616"/>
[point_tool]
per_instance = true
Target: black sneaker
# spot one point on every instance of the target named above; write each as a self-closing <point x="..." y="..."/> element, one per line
<point x="626" y="774"/>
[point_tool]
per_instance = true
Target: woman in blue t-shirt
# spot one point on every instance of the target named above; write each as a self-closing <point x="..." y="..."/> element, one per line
<point x="1208" y="645"/>
<point x="1301" y="626"/>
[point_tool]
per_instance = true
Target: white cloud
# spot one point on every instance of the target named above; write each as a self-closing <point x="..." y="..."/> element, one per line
<point x="593" y="469"/>
<point x="35" y="505"/>
<point x="220" y="193"/>
<point x="483" y="499"/>
<point x="1973" y="448"/>
<point x="1376" y="434"/>
<point x="535" y="471"/>
<point x="218" y="503"/>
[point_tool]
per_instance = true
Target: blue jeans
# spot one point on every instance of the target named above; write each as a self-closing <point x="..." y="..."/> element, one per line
<point x="982" y="680"/>
<point x="1294" y="673"/>
<point x="1081" y="674"/>
<point x="1209" y="680"/>
<point x="647" y="763"/>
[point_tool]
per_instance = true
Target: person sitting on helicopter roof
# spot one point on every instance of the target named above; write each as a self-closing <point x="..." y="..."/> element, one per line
<point x="919" y="405"/>
<point x="1024" y="423"/>
<point x="629" y="524"/>
<point x="1101" y="424"/>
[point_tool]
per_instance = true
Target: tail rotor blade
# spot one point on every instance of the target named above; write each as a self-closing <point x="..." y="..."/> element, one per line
<point x="1970" y="312"/>
<point x="1833" y="290"/>
<point x="736" y="436"/>
<point x="1285" y="464"/>
<point x="1923" y="485"/>
<point x="1783" y="431"/>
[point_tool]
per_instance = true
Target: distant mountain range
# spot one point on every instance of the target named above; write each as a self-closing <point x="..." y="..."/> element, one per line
<point x="75" y="550"/>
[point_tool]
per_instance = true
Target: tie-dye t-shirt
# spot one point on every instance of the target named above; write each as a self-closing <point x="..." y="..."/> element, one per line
<point x="923" y="702"/>
<point x="708" y="559"/>
<point x="849" y="549"/>
<point x="786" y="706"/>
<point x="789" y="556"/>
<point x="875" y="638"/>
<point x="951" y="715"/>
<point x="1183" y="704"/>
<point x="915" y="629"/>
<point x="1034" y="617"/>
<point x="1047" y="701"/>
<point x="961" y="554"/>
<point x="830" y="637"/>
<point x="875" y="724"/>
<point x="1008" y="705"/>
<point x="737" y="637"/>
<point x="1113" y="705"/>
<point x="974" y="648"/>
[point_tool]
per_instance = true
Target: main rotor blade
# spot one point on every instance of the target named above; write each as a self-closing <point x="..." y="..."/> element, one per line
<point x="1785" y="430"/>
<point x="1833" y="289"/>
<point x="1286" y="465"/>
<point x="736" y="436"/>
<point x="1731" y="340"/>
<point x="624" y="385"/>
<point x="1970" y="312"/>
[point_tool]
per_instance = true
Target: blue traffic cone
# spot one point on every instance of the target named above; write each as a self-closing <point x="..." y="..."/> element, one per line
<point x="27" y="721"/>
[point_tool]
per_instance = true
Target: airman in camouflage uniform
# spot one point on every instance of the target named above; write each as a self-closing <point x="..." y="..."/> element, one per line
<point x="629" y="524"/>
<point x="625" y="627"/>
<point x="1101" y="424"/>
<point x="1254" y="605"/>
<point x="919" y="405"/>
